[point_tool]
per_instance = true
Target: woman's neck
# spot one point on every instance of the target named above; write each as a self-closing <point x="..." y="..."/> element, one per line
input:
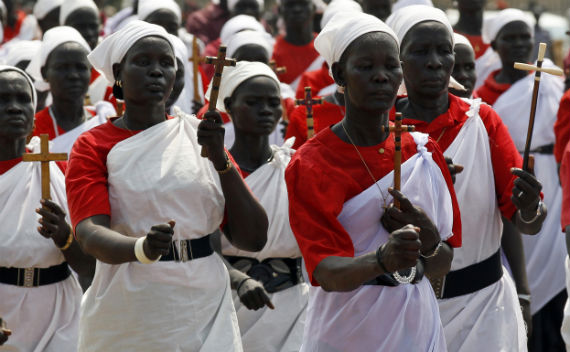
<point x="470" y="23"/>
<point x="12" y="148"/>
<point x="362" y="128"/>
<point x="509" y="74"/>
<point x="424" y="108"/>
<point x="299" y="35"/>
<point x="139" y="117"/>
<point x="68" y="113"/>
<point x="251" y="151"/>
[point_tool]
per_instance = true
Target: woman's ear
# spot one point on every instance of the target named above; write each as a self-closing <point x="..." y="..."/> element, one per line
<point x="228" y="105"/>
<point x="338" y="74"/>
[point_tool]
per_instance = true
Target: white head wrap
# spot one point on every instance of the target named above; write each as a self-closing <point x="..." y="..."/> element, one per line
<point x="460" y="39"/>
<point x="493" y="25"/>
<point x="232" y="4"/>
<point x="43" y="7"/>
<point x="113" y="49"/>
<point x="238" y="24"/>
<point x="4" y="68"/>
<point x="246" y="37"/>
<point x="403" y="20"/>
<point x="343" y="29"/>
<point x="147" y="7"/>
<point x="68" y="6"/>
<point x="52" y="39"/>
<point x="232" y="77"/>
<point x="20" y="50"/>
<point x="404" y="3"/>
<point x="337" y="6"/>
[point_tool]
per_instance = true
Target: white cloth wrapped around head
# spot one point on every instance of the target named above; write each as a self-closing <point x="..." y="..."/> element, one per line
<point x="43" y="7"/>
<point x="232" y="77"/>
<point x="237" y="24"/>
<point x="21" y="50"/>
<point x="146" y="7"/>
<point x="337" y="6"/>
<point x="51" y="40"/>
<point x="113" y="49"/>
<point x="400" y="4"/>
<point x="403" y="20"/>
<point x="247" y="37"/>
<point x="343" y="29"/>
<point x="232" y="4"/>
<point x="460" y="39"/>
<point x="5" y="68"/>
<point x="68" y="6"/>
<point x="493" y="25"/>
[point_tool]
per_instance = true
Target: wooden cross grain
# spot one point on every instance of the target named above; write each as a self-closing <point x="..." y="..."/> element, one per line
<point x="219" y="63"/>
<point x="195" y="59"/>
<point x="397" y="129"/>
<point x="309" y="102"/>
<point x="278" y="70"/>
<point x="45" y="157"/>
<point x="538" y="70"/>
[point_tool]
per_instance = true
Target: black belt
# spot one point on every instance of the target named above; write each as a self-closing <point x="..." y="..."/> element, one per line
<point x="543" y="149"/>
<point x="470" y="279"/>
<point x="188" y="250"/>
<point x="276" y="274"/>
<point x="34" y="277"/>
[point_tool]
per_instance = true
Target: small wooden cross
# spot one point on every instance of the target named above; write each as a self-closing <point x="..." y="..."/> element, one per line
<point x="538" y="70"/>
<point x="45" y="157"/>
<point x="278" y="70"/>
<point x="309" y="102"/>
<point x="219" y="62"/>
<point x="195" y="59"/>
<point x="397" y="129"/>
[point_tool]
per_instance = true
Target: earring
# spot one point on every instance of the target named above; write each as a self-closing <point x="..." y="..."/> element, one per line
<point x="119" y="83"/>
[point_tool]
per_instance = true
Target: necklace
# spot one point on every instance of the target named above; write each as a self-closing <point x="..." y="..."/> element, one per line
<point x="365" y="165"/>
<point x="54" y="120"/>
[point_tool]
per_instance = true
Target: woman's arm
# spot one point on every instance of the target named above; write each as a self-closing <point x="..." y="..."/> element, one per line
<point x="531" y="212"/>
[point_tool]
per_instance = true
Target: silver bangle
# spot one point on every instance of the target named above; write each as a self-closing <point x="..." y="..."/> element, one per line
<point x="539" y="213"/>
<point x="435" y="250"/>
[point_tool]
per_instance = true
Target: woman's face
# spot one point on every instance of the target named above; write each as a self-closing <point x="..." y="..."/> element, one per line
<point x="178" y="85"/>
<point x="255" y="106"/>
<point x="16" y="106"/>
<point x="68" y="72"/>
<point x="514" y="43"/>
<point x="464" y="70"/>
<point x="86" y="22"/>
<point x="148" y="71"/>
<point x="370" y="71"/>
<point x="166" y="19"/>
<point x="427" y="59"/>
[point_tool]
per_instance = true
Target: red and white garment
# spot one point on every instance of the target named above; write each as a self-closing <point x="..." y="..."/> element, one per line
<point x="279" y="329"/>
<point x="154" y="176"/>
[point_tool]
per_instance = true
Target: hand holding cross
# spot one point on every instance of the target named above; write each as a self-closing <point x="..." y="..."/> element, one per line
<point x="45" y="157"/>
<point x="309" y="102"/>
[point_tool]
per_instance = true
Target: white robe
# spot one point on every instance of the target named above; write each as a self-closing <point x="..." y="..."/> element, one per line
<point x="382" y="318"/>
<point x="489" y="319"/>
<point x="281" y="329"/>
<point x="44" y="318"/>
<point x="486" y="64"/>
<point x="546" y="251"/>
<point x="155" y="176"/>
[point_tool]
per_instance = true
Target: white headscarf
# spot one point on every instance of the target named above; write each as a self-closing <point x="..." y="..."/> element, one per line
<point x="43" y="7"/>
<point x="147" y="7"/>
<point x="113" y="49"/>
<point x="238" y="24"/>
<point x="400" y="4"/>
<point x="51" y="40"/>
<point x="232" y="77"/>
<point x="20" y="50"/>
<point x="343" y="29"/>
<point x="246" y="37"/>
<point x="403" y="20"/>
<point x="460" y="39"/>
<point x="493" y="25"/>
<point x="69" y="6"/>
<point x="337" y="6"/>
<point x="232" y="4"/>
<point x="4" y="68"/>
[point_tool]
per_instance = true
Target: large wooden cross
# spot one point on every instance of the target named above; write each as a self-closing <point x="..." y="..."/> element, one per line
<point x="219" y="62"/>
<point x="538" y="70"/>
<point x="309" y="102"/>
<point x="397" y="129"/>
<point x="45" y="157"/>
<point x="195" y="59"/>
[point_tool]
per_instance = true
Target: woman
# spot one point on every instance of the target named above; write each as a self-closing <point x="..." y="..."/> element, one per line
<point x="338" y="186"/>
<point x="129" y="182"/>
<point x="464" y="68"/>
<point x="40" y="299"/>
<point x="485" y="313"/>
<point x="83" y="15"/>
<point x="63" y="68"/>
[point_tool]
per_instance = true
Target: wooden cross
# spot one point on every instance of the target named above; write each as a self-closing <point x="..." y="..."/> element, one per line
<point x="45" y="157"/>
<point x="277" y="70"/>
<point x="397" y="129"/>
<point x="309" y="102"/>
<point x="219" y="62"/>
<point x="538" y="69"/>
<point x="195" y="59"/>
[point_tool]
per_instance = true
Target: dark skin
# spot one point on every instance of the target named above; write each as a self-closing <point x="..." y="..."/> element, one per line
<point x="298" y="18"/>
<point x="68" y="72"/>
<point x="148" y="75"/>
<point x="379" y="8"/>
<point x="50" y="20"/>
<point x="252" y="53"/>
<point x="255" y="108"/>
<point x="371" y="79"/>
<point x="87" y="22"/>
<point x="247" y="7"/>
<point x="4" y="333"/>
<point x="177" y="87"/>
<point x="166" y="19"/>
<point x="514" y="43"/>
<point x="464" y="70"/>
<point x="470" y="16"/>
<point x="16" y="123"/>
